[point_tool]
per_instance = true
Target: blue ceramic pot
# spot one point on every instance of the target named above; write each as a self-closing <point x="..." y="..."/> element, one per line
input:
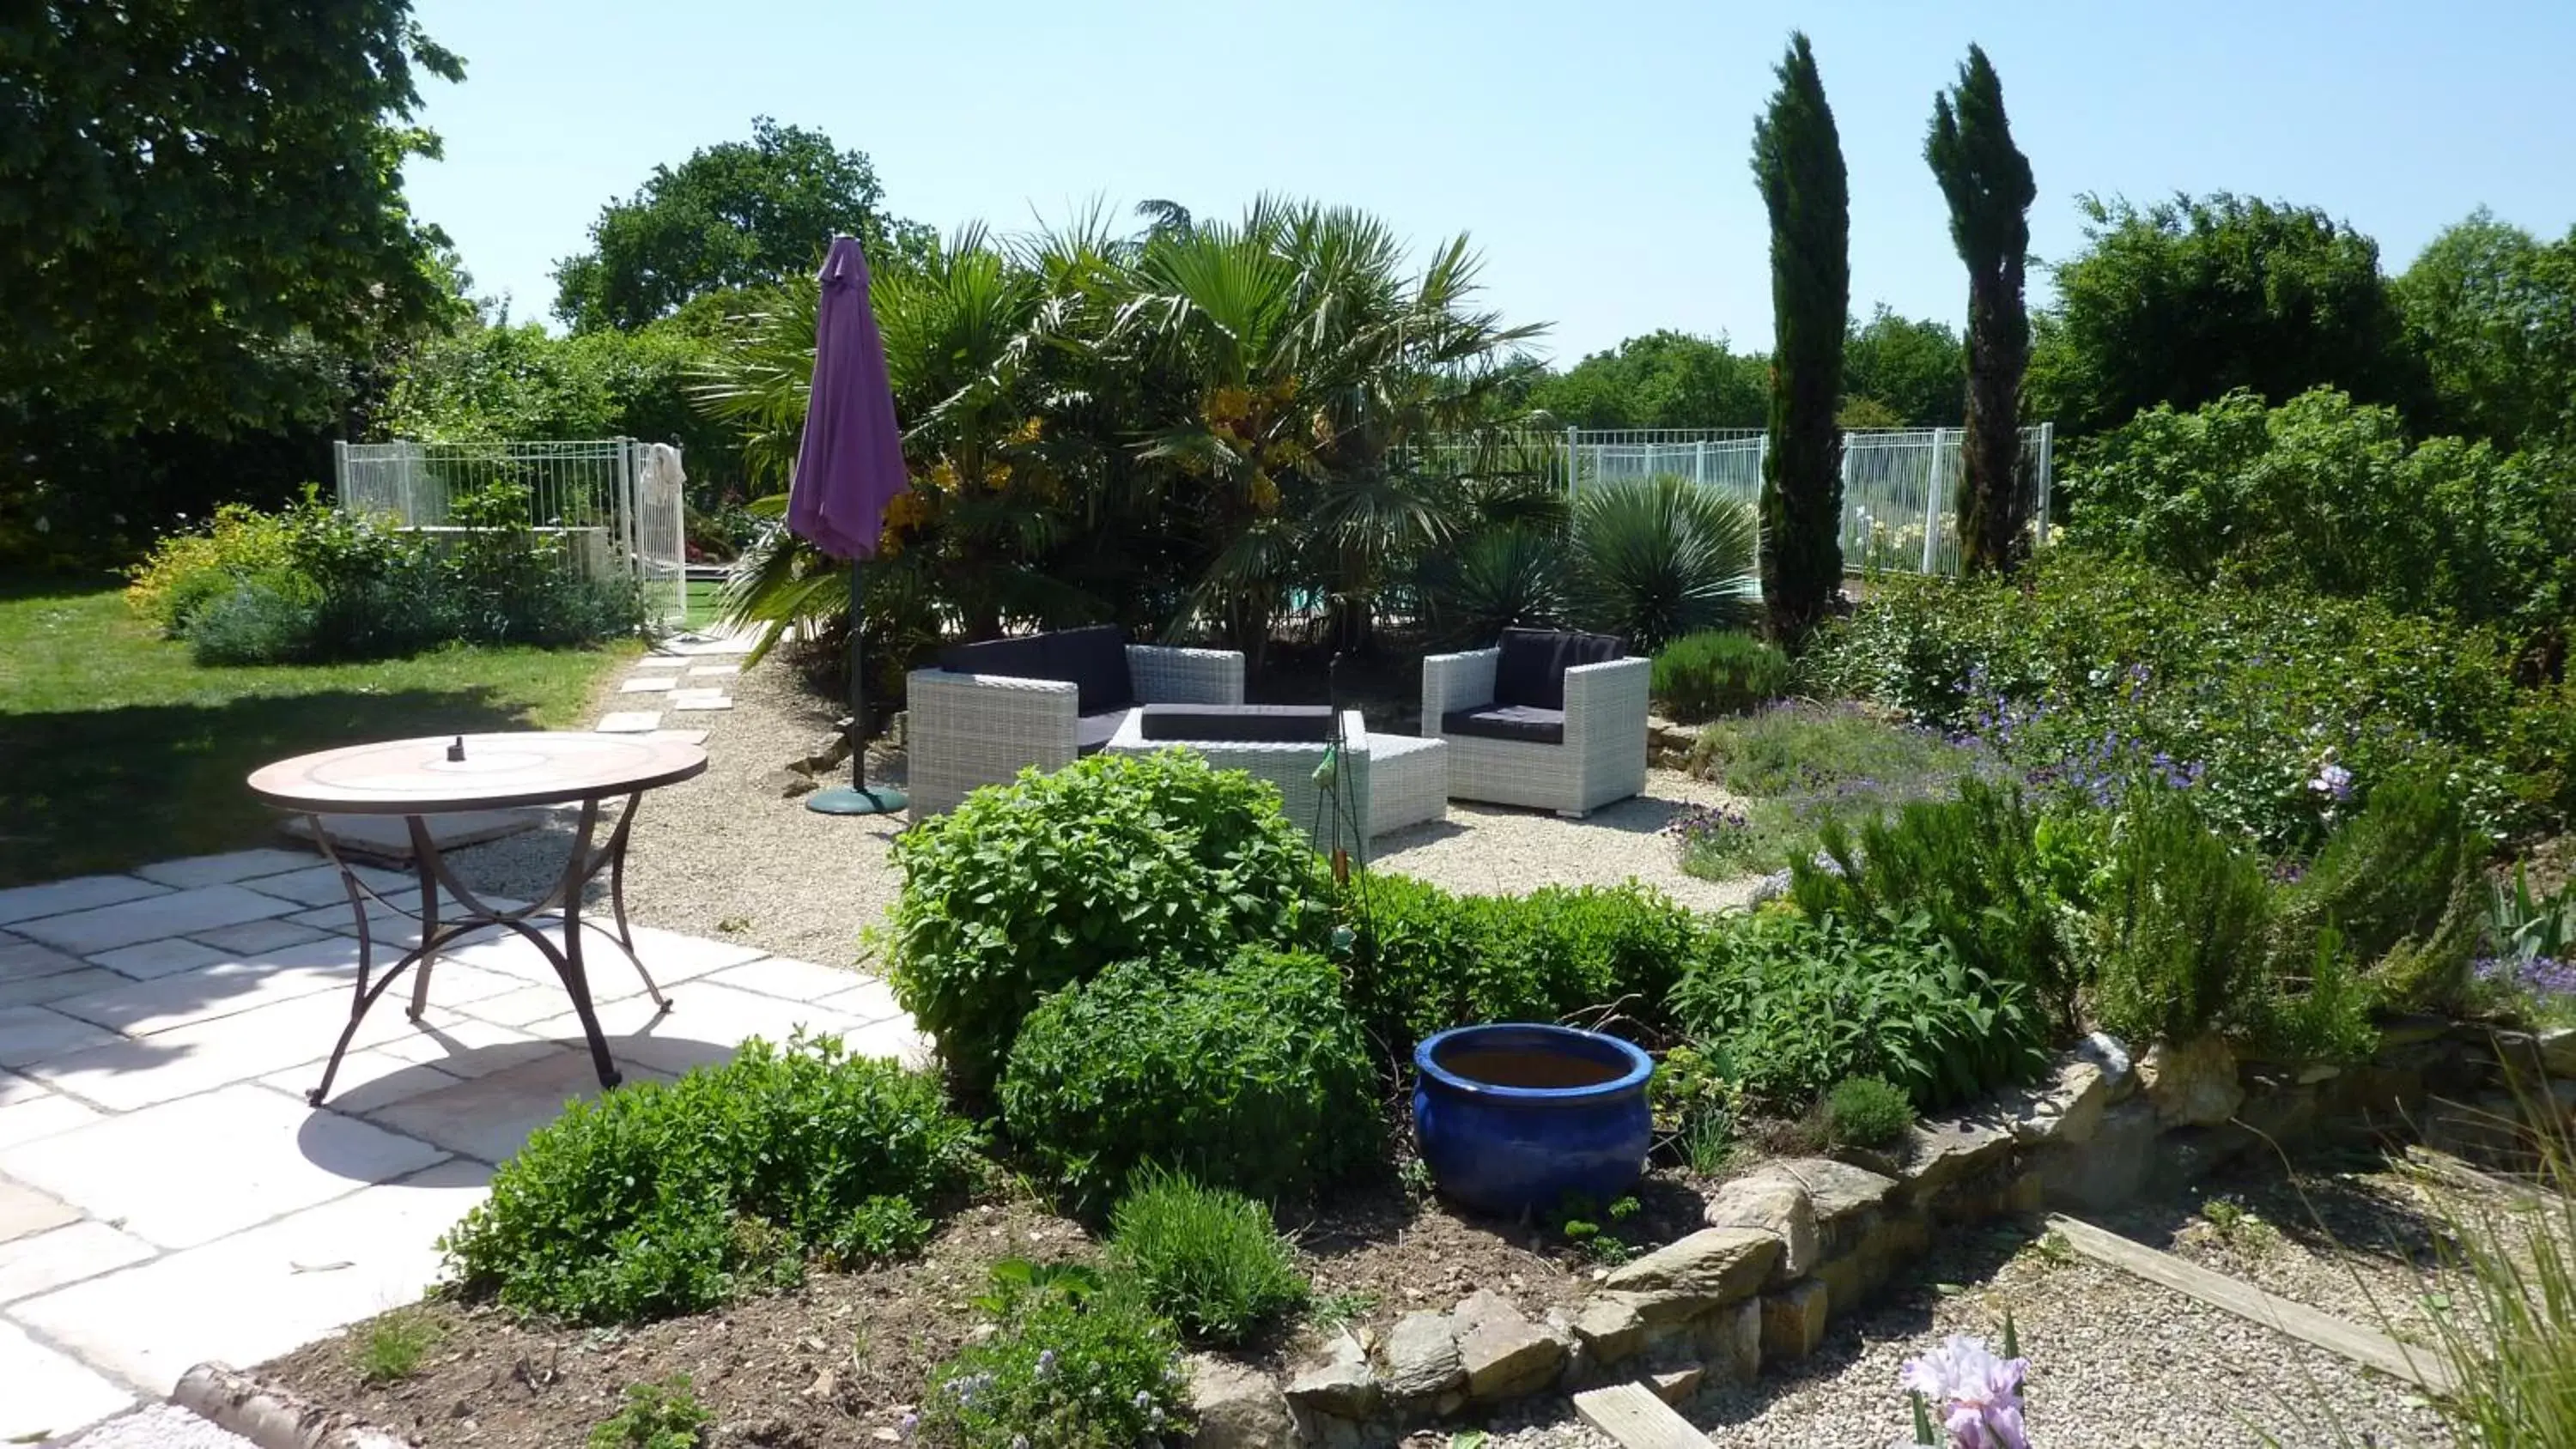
<point x="1513" y="1117"/>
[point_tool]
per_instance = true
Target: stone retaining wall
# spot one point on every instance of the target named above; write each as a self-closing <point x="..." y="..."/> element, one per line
<point x="1797" y="1241"/>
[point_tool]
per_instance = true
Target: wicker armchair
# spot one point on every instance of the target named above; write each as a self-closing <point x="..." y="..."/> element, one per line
<point x="994" y="709"/>
<point x="1555" y="721"/>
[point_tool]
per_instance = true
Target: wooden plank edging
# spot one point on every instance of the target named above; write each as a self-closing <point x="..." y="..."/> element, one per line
<point x="2420" y="1366"/>
<point x="1633" y="1415"/>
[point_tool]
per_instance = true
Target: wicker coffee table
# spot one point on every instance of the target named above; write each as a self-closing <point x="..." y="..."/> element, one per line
<point x="446" y="774"/>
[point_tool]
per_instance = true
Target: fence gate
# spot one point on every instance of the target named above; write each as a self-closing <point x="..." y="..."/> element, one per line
<point x="616" y="504"/>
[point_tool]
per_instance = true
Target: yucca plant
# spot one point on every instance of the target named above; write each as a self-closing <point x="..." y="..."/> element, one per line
<point x="1658" y="558"/>
<point x="1499" y="579"/>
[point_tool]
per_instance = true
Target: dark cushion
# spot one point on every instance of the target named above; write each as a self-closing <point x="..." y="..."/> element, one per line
<point x="1524" y="722"/>
<point x="1532" y="668"/>
<point x="1247" y="723"/>
<point x="1092" y="731"/>
<point x="1093" y="660"/>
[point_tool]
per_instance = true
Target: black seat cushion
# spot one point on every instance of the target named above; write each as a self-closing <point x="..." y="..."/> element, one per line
<point x="1524" y="722"/>
<point x="1093" y="660"/>
<point x="1249" y="723"/>
<point x="1092" y="731"/>
<point x="1532" y="668"/>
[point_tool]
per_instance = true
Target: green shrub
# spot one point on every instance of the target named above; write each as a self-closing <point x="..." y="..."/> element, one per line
<point x="1250" y="1074"/>
<point x="1718" y="671"/>
<point x="1658" y="558"/>
<point x="2184" y="925"/>
<point x="1031" y="887"/>
<point x="1424" y="960"/>
<point x="1206" y="1258"/>
<point x="1787" y="1006"/>
<point x="186" y="571"/>
<point x="1803" y="767"/>
<point x="1078" y="1362"/>
<point x="1867" y="1111"/>
<point x="1974" y="868"/>
<point x="664" y="1415"/>
<point x="659" y="1199"/>
<point x="2399" y="882"/>
<point x="2092" y="675"/>
<point x="262" y="620"/>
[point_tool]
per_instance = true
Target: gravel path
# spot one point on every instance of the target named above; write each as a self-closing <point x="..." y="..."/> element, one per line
<point x="725" y="854"/>
<point x="162" y="1426"/>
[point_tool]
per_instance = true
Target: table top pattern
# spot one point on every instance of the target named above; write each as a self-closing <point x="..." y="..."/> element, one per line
<point x="496" y="771"/>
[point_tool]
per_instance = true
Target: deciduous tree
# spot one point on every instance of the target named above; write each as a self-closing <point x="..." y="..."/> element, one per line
<point x="1987" y="182"/>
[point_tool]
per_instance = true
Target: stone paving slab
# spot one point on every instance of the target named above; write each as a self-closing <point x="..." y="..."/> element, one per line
<point x="128" y="1074"/>
<point x="29" y="1034"/>
<point x="684" y="737"/>
<point x="165" y="957"/>
<point x="320" y="886"/>
<point x="688" y="700"/>
<point x="713" y="671"/>
<point x="23" y="960"/>
<point x="490" y="1117"/>
<point x="629" y="722"/>
<point x="255" y="1295"/>
<point x="225" y="869"/>
<point x="227" y="988"/>
<point x="25" y="1212"/>
<point x="660" y="661"/>
<point x="42" y="1116"/>
<point x="387" y="838"/>
<point x="244" y="1154"/>
<point x="649" y="684"/>
<point x="173" y="913"/>
<point x="40" y="1264"/>
<point x="42" y="990"/>
<point x="49" y="1392"/>
<point x="252" y="937"/>
<point x="789" y="980"/>
<point x="80" y="893"/>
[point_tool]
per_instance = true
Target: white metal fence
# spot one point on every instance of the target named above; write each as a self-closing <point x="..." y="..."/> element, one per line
<point x="1900" y="485"/>
<point x="616" y="503"/>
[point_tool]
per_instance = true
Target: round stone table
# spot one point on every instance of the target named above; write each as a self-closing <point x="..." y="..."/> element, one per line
<point x="442" y="774"/>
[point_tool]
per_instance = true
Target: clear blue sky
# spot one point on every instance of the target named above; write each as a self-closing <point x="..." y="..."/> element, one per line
<point x="1595" y="151"/>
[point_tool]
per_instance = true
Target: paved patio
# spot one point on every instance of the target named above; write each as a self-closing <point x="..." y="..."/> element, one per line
<point x="166" y="1195"/>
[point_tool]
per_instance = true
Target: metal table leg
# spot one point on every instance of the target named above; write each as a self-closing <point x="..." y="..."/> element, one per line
<point x="583" y="865"/>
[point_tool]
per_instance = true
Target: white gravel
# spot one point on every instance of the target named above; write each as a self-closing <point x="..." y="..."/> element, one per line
<point x="162" y="1426"/>
<point x="726" y="855"/>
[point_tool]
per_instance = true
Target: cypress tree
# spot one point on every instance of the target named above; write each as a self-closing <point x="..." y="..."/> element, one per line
<point x="1798" y="162"/>
<point x="1987" y="182"/>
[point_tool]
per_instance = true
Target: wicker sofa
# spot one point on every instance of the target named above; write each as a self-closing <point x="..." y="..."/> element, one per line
<point x="993" y="709"/>
<point x="1544" y="719"/>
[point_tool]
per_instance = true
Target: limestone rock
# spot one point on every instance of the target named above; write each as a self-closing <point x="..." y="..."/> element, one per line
<point x="1422" y="1364"/>
<point x="830" y="752"/>
<point x="2109" y="1169"/>
<point x="1677" y="1386"/>
<point x="1237" y="1407"/>
<point x="2066" y="1106"/>
<point x="1711" y="1266"/>
<point x="2558" y="1052"/>
<point x="1844" y="1198"/>
<point x="1730" y="1343"/>
<point x="1939" y="1153"/>
<point x="1775" y="1204"/>
<point x="1504" y="1354"/>
<point x="787" y="784"/>
<point x="1793" y="1321"/>
<point x="2110" y="1058"/>
<point x="1610" y="1328"/>
<point x="1340" y="1384"/>
<point x="2192" y="1084"/>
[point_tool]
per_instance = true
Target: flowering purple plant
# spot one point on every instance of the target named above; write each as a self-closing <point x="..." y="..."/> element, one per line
<point x="2333" y="782"/>
<point x="1694" y="824"/>
<point x="1976" y="1395"/>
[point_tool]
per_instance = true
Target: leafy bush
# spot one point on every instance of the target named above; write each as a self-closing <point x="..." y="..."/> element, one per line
<point x="1424" y="960"/>
<point x="1250" y="1074"/>
<point x="658" y="1199"/>
<point x="1977" y="869"/>
<point x="1030" y="887"/>
<point x="1718" y="671"/>
<point x="1867" y="1111"/>
<point x="2184" y="922"/>
<point x="2091" y="675"/>
<point x="1788" y="1006"/>
<point x="1659" y="558"/>
<point x="312" y="583"/>
<point x="1206" y="1258"/>
<point x="664" y="1415"/>
<point x="1079" y="1362"/>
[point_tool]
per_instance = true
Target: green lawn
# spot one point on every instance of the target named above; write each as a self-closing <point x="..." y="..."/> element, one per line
<point x="116" y="750"/>
<point x="706" y="601"/>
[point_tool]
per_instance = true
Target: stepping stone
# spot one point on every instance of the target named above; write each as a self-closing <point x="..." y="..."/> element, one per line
<point x="239" y="865"/>
<point x="387" y="838"/>
<point x="679" y="737"/>
<point x="713" y="671"/>
<point x="700" y="699"/>
<point x="158" y="958"/>
<point x="629" y="722"/>
<point x="647" y="684"/>
<point x="80" y="893"/>
<point x="661" y="661"/>
<point x="149" y="918"/>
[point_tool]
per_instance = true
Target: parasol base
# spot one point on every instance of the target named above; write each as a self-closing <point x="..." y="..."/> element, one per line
<point x="863" y="800"/>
